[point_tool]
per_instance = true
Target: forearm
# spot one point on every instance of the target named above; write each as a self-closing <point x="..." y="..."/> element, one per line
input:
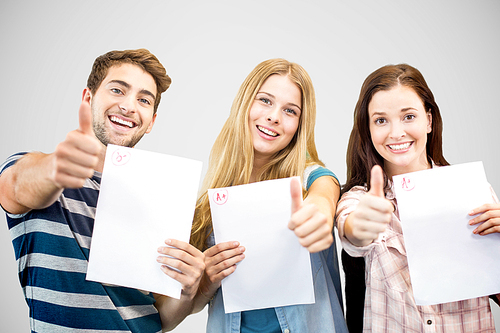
<point x="27" y="184"/>
<point x="173" y="311"/>
<point x="324" y="193"/>
<point x="205" y="294"/>
<point x="200" y="301"/>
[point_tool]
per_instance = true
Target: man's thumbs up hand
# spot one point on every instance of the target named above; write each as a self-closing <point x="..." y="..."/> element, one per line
<point x="75" y="158"/>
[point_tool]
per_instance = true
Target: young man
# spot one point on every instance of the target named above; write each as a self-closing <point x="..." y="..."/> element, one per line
<point x="50" y="202"/>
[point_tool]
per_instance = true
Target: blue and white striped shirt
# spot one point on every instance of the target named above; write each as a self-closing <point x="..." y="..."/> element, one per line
<point x="52" y="250"/>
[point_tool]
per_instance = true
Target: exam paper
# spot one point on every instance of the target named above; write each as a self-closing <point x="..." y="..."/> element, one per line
<point x="276" y="270"/>
<point x="145" y="198"/>
<point x="447" y="262"/>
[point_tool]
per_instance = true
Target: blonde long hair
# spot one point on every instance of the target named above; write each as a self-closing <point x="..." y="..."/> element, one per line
<point x="232" y="156"/>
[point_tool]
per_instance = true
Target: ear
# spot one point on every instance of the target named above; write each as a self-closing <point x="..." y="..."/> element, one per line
<point x="150" y="126"/>
<point x="429" y="121"/>
<point x="87" y="95"/>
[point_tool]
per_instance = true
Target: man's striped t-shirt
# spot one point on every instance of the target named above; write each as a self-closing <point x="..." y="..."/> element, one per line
<point x="51" y="246"/>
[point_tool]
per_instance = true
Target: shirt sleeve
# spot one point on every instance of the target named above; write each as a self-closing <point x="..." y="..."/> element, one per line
<point x="10" y="161"/>
<point x="314" y="172"/>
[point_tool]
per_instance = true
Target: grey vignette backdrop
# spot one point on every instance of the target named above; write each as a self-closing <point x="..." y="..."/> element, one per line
<point x="208" y="48"/>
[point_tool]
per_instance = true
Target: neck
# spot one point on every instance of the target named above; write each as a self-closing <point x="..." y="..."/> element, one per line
<point x="258" y="163"/>
<point x="394" y="170"/>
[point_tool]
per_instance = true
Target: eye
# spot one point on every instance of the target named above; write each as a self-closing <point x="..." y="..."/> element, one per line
<point x="409" y="117"/>
<point x="291" y="111"/>
<point x="144" y="101"/>
<point x="265" y="100"/>
<point x="380" y="121"/>
<point x="117" y="91"/>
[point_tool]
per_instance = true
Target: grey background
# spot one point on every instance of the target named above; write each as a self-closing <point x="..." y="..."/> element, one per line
<point x="208" y="47"/>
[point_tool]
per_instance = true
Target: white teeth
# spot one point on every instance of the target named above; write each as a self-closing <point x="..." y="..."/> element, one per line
<point x="121" y="121"/>
<point x="401" y="146"/>
<point x="268" y="132"/>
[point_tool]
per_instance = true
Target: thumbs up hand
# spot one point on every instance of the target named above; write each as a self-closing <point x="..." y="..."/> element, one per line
<point x="76" y="158"/>
<point x="307" y="222"/>
<point x="372" y="215"/>
<point x="85" y="118"/>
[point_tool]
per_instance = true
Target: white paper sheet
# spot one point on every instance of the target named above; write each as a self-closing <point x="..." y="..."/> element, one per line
<point x="145" y="198"/>
<point x="447" y="261"/>
<point x="276" y="270"/>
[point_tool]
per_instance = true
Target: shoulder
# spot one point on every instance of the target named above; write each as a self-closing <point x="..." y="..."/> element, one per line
<point x="355" y="192"/>
<point x="313" y="172"/>
<point x="349" y="200"/>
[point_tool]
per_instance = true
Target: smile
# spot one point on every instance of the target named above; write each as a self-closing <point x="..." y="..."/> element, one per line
<point x="266" y="131"/>
<point x="122" y="122"/>
<point x="400" y="146"/>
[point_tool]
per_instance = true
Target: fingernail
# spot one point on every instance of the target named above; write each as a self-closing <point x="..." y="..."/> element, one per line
<point x="236" y="244"/>
<point x="241" y="248"/>
<point x="158" y="259"/>
<point x="471" y="212"/>
<point x="168" y="241"/>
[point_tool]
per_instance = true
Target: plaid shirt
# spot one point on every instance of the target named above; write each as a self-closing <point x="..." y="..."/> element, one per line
<point x="389" y="303"/>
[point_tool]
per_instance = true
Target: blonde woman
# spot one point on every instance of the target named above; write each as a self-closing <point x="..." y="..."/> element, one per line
<point x="268" y="135"/>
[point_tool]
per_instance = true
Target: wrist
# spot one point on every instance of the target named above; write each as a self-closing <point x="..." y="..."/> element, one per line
<point x="349" y="234"/>
<point x="207" y="289"/>
<point x="206" y="294"/>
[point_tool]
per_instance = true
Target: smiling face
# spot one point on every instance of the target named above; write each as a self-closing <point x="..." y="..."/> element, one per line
<point x="399" y="125"/>
<point x="123" y="105"/>
<point x="274" y="116"/>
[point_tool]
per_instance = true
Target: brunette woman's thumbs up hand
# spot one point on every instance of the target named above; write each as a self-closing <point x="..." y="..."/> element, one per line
<point x="372" y="215"/>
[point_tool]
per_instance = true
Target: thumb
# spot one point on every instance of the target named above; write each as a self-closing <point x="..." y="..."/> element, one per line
<point x="377" y="182"/>
<point x="85" y="118"/>
<point x="296" y="194"/>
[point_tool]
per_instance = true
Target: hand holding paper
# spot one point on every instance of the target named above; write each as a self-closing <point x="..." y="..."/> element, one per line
<point x="257" y="215"/>
<point x="183" y="263"/>
<point x="372" y="214"/>
<point x="489" y="219"/>
<point x="142" y="201"/>
<point x="220" y="262"/>
<point x="308" y="223"/>
<point x="447" y="260"/>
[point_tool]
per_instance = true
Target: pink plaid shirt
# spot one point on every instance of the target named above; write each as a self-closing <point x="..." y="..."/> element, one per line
<point x="389" y="303"/>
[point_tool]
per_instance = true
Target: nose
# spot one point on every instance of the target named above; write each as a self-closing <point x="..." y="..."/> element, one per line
<point x="128" y="105"/>
<point x="397" y="131"/>
<point x="274" y="116"/>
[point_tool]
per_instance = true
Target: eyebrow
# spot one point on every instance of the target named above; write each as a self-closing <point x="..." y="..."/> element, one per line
<point x="379" y="113"/>
<point x="126" y="85"/>
<point x="382" y="113"/>
<point x="271" y="95"/>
